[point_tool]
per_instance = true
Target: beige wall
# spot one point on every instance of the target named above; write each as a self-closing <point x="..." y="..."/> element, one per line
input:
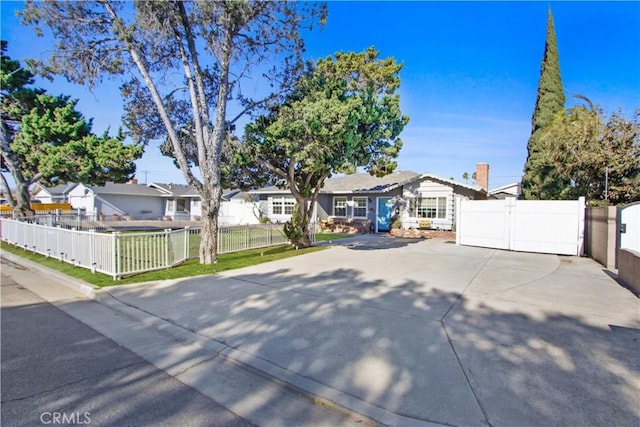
<point x="629" y="268"/>
<point x="600" y="236"/>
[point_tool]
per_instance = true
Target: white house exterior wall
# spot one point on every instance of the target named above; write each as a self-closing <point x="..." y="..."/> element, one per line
<point x="427" y="188"/>
<point x="43" y="197"/>
<point x="136" y="207"/>
<point x="82" y="198"/>
<point x="238" y="213"/>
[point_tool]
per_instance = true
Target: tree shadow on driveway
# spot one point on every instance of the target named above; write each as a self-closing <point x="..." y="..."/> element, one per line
<point x="391" y="347"/>
<point x="370" y="242"/>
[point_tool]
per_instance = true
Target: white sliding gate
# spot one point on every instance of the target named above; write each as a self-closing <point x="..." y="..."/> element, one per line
<point x="629" y="226"/>
<point x="545" y="226"/>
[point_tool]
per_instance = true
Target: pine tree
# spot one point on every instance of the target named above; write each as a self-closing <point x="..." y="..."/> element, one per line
<point x="540" y="180"/>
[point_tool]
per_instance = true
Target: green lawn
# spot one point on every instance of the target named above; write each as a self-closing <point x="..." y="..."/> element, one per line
<point x="189" y="268"/>
<point x="322" y="237"/>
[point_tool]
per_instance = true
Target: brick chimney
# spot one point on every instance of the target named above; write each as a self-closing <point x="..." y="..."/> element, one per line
<point x="482" y="175"/>
<point x="133" y="181"/>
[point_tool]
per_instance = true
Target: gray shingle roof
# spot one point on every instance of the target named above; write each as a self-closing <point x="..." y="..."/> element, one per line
<point x="355" y="183"/>
<point x="453" y="182"/>
<point x="177" y="190"/>
<point x="58" y="190"/>
<point x="125" y="189"/>
<point x="365" y="183"/>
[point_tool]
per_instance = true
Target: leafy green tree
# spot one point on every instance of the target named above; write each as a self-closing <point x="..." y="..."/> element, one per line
<point x="597" y="156"/>
<point x="539" y="180"/>
<point x="45" y="139"/>
<point x="343" y="114"/>
<point x="465" y="176"/>
<point x="183" y="62"/>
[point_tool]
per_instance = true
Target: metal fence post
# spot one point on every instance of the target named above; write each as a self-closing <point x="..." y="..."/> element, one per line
<point x="186" y="243"/>
<point x="115" y="260"/>
<point x="92" y="250"/>
<point x="167" y="239"/>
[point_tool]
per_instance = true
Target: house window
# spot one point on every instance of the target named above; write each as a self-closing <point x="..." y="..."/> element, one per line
<point x="360" y="207"/>
<point x="282" y="205"/>
<point x="428" y="207"/>
<point x="182" y="205"/>
<point x="340" y="206"/>
<point x="195" y="204"/>
<point x="288" y="206"/>
<point x="170" y="205"/>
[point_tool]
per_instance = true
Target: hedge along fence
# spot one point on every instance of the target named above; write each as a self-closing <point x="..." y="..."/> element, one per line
<point x="121" y="254"/>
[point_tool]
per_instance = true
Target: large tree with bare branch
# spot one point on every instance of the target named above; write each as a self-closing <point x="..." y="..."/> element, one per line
<point x="45" y="139"/>
<point x="189" y="59"/>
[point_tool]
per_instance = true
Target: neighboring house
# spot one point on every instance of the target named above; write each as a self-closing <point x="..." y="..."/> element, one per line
<point x="238" y="208"/>
<point x="56" y="194"/>
<point x="110" y="201"/>
<point x="147" y="202"/>
<point x="418" y="199"/>
<point x="181" y="202"/>
<point x="509" y="190"/>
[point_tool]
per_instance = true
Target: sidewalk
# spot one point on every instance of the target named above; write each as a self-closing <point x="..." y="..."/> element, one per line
<point x="248" y="393"/>
<point x="406" y="332"/>
<point x="54" y="364"/>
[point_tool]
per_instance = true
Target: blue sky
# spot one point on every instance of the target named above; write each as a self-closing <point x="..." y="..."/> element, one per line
<point x="469" y="79"/>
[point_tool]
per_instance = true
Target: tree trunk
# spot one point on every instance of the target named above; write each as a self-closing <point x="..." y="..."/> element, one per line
<point x="7" y="192"/>
<point x="304" y="211"/>
<point x="305" y="214"/>
<point x="23" y="201"/>
<point x="209" y="235"/>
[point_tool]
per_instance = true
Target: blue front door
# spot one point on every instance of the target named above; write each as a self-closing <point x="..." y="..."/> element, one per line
<point x="383" y="216"/>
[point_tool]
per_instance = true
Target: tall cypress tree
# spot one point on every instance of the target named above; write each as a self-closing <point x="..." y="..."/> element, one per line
<point x="539" y="180"/>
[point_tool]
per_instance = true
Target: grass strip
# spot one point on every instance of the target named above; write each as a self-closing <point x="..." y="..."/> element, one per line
<point x="323" y="237"/>
<point x="189" y="268"/>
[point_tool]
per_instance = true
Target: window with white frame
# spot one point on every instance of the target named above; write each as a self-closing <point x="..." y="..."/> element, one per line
<point x="340" y="206"/>
<point x="282" y="205"/>
<point x="428" y="207"/>
<point x="288" y="206"/>
<point x="171" y="205"/>
<point x="360" y="207"/>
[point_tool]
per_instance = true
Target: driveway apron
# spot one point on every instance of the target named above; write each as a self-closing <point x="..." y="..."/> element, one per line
<point x="425" y="329"/>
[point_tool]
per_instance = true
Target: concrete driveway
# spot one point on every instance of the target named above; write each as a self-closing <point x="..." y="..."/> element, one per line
<point x="419" y="332"/>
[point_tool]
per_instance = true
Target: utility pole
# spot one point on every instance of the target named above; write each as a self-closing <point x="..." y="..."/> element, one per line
<point x="145" y="176"/>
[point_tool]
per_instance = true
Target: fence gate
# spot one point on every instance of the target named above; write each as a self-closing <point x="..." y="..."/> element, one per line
<point x="544" y="226"/>
<point x="629" y="227"/>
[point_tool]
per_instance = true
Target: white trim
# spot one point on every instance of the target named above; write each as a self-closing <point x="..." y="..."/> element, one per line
<point x="354" y="207"/>
<point x="333" y="206"/>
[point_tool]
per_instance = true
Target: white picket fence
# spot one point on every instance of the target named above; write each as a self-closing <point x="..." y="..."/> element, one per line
<point x="122" y="254"/>
<point x="115" y="254"/>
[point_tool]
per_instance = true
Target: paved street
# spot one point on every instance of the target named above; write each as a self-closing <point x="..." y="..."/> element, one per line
<point x="54" y="364"/>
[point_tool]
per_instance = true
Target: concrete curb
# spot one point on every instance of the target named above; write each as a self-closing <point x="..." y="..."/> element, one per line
<point x="72" y="283"/>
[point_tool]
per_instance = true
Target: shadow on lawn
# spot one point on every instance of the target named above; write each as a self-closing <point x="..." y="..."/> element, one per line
<point x="416" y="351"/>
